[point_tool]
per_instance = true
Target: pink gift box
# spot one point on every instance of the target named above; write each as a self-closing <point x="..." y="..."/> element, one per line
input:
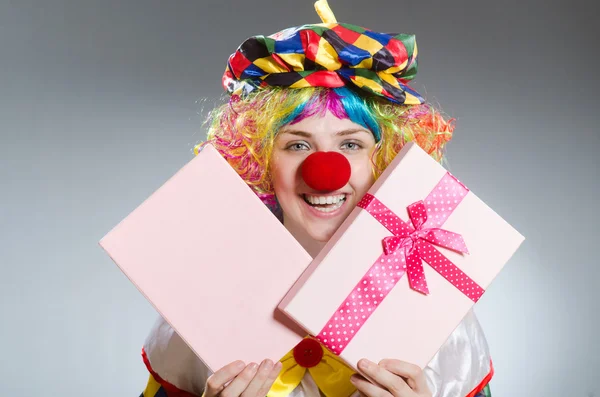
<point x="356" y="298"/>
<point x="214" y="261"/>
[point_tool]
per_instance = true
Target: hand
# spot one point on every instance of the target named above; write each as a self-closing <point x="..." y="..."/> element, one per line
<point x="393" y="377"/>
<point x="238" y="379"/>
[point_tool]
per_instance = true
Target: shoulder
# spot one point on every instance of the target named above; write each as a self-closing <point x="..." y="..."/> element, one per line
<point x="169" y="358"/>
<point x="463" y="364"/>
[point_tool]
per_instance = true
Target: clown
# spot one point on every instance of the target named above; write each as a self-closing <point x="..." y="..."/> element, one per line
<point x="316" y="113"/>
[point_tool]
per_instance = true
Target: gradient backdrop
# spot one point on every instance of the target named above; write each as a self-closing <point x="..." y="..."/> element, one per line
<point x="101" y="102"/>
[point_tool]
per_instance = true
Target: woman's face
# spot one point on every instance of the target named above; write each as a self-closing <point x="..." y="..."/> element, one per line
<point x="293" y="144"/>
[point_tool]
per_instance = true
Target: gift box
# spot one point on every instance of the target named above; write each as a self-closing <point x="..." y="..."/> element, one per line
<point x="214" y="262"/>
<point x="404" y="268"/>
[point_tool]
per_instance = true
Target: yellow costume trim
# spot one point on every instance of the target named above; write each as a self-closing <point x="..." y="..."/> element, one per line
<point x="331" y="375"/>
<point x="151" y="388"/>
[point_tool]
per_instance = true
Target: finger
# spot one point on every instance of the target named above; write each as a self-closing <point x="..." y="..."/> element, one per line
<point x="241" y="382"/>
<point x="217" y="381"/>
<point x="264" y="390"/>
<point x="413" y="374"/>
<point x="257" y="382"/>
<point x="368" y="389"/>
<point x="392" y="382"/>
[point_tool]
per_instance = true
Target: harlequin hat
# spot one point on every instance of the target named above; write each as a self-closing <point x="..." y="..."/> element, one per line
<point x="329" y="54"/>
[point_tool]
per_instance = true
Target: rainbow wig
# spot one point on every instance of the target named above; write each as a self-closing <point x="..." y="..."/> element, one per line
<point x="244" y="129"/>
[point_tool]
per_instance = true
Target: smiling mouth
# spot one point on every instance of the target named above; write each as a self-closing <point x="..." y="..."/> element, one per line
<point x="325" y="203"/>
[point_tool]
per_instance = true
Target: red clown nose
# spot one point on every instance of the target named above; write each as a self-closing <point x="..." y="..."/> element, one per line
<point x="326" y="171"/>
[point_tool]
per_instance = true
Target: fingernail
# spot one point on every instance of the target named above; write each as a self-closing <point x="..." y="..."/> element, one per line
<point x="277" y="366"/>
<point x="268" y="364"/>
<point x="253" y="366"/>
<point x="364" y="363"/>
<point x="353" y="378"/>
<point x="240" y="365"/>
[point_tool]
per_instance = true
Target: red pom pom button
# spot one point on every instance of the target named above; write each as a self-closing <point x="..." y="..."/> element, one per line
<point x="308" y="353"/>
<point x="326" y="171"/>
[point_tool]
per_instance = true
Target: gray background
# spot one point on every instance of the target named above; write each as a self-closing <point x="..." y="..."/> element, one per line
<point x="101" y="101"/>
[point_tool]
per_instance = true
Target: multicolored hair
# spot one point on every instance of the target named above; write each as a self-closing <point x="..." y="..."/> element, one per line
<point x="244" y="129"/>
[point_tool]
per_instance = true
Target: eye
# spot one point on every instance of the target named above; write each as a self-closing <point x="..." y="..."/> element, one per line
<point x="297" y="146"/>
<point x="351" y="146"/>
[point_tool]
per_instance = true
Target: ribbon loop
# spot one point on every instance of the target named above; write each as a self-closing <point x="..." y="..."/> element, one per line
<point x="391" y="244"/>
<point x="418" y="214"/>
<point x="447" y="239"/>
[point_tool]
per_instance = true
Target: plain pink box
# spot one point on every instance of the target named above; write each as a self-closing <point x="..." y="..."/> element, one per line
<point x="214" y="261"/>
<point x="406" y="325"/>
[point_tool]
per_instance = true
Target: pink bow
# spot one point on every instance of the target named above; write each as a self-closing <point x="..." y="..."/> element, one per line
<point x="411" y="240"/>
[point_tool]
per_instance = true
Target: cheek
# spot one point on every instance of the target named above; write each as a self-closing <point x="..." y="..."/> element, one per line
<point x="284" y="176"/>
<point x="361" y="178"/>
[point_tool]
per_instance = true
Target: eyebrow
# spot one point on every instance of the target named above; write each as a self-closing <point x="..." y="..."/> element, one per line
<point x="305" y="134"/>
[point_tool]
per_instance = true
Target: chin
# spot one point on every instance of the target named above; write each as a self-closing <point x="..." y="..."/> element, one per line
<point x="323" y="232"/>
<point x="323" y="236"/>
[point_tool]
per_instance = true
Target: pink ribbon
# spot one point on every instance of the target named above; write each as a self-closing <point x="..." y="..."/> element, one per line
<point x="404" y="252"/>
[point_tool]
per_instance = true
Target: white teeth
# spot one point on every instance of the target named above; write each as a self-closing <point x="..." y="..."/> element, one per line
<point x="321" y="200"/>
<point x="331" y="208"/>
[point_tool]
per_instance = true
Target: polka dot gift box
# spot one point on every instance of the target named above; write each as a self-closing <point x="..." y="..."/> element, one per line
<point x="406" y="266"/>
<point x="191" y="249"/>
